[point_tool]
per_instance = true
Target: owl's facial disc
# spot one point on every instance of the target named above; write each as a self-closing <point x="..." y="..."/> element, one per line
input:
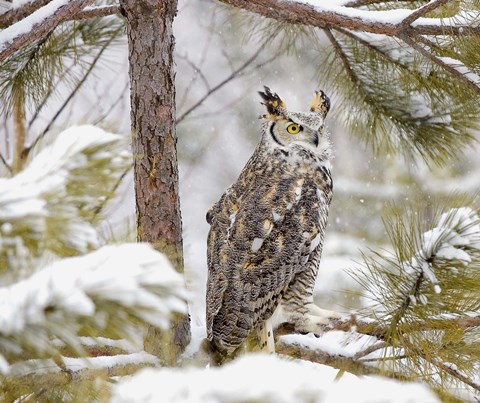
<point x="297" y="128"/>
<point x="288" y="131"/>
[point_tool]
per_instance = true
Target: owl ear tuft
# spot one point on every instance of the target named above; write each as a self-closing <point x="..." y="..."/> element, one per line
<point x="274" y="104"/>
<point x="320" y="103"/>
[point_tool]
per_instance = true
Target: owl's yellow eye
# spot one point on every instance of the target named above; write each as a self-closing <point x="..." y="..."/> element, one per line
<point x="293" y="128"/>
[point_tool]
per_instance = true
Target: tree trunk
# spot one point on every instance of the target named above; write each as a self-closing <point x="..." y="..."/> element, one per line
<point x="151" y="43"/>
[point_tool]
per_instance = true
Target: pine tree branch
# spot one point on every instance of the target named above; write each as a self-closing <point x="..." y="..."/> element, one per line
<point x="48" y="94"/>
<point x="343" y="57"/>
<point x="27" y="150"/>
<point x="369" y="350"/>
<point x="373" y="328"/>
<point x="358" y="365"/>
<point x="299" y="13"/>
<point x="16" y="14"/>
<point x="452" y="371"/>
<point x="439" y="62"/>
<point x="11" y="41"/>
<point x="343" y="363"/>
<point x="57" y="374"/>
<point x="400" y="312"/>
<point x="379" y="51"/>
<point x="361" y="3"/>
<point x="420" y="12"/>
<point x="95" y="12"/>
<point x="347" y="324"/>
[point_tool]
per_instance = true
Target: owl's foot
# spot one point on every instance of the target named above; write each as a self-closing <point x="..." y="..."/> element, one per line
<point x="316" y="320"/>
<point x="310" y="318"/>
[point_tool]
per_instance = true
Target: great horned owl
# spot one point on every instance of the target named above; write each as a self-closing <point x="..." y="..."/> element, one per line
<point x="267" y="231"/>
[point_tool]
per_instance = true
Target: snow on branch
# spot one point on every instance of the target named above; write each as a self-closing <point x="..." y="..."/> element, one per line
<point x="447" y="253"/>
<point x="263" y="378"/>
<point x="115" y="282"/>
<point x="51" y="203"/>
<point x="426" y="293"/>
<point x="456" y="237"/>
<point x="335" y="14"/>
<point x="37" y="25"/>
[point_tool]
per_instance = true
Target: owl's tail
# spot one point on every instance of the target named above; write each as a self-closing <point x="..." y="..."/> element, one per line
<point x="210" y="354"/>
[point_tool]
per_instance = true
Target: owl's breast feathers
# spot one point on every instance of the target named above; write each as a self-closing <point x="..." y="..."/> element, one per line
<point x="263" y="230"/>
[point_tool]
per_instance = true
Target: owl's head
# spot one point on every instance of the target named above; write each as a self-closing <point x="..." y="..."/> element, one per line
<point x="304" y="129"/>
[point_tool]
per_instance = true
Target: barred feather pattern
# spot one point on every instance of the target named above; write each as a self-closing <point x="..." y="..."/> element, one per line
<point x="267" y="229"/>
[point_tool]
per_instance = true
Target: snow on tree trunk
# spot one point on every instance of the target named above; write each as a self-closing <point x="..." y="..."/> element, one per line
<point x="151" y="43"/>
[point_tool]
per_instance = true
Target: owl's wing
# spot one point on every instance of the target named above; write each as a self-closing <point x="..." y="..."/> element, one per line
<point x="255" y="247"/>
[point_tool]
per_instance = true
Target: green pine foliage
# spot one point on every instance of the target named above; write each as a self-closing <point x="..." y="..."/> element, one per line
<point x="52" y="204"/>
<point x="399" y="101"/>
<point x="416" y="99"/>
<point x="395" y="97"/>
<point x="33" y="74"/>
<point x="425" y="293"/>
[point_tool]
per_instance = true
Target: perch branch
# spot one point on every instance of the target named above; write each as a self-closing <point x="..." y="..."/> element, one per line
<point x="340" y="362"/>
<point x="373" y="328"/>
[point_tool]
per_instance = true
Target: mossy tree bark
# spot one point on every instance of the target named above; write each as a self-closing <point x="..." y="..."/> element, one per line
<point x="151" y="44"/>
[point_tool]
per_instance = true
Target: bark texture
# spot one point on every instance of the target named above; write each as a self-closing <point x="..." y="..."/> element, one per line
<point x="151" y="44"/>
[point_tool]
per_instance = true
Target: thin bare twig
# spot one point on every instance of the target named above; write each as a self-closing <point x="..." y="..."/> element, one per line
<point x="39" y="29"/>
<point x="5" y="163"/>
<point x="27" y="150"/>
<point x="197" y="71"/>
<point x="48" y="95"/>
<point x="113" y="104"/>
<point x="206" y="46"/>
<point x="102" y="205"/>
<point x="214" y="89"/>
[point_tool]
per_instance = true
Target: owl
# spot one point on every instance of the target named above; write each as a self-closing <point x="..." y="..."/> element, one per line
<point x="267" y="230"/>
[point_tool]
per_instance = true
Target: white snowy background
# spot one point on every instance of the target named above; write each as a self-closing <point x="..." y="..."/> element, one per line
<point x="214" y="143"/>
